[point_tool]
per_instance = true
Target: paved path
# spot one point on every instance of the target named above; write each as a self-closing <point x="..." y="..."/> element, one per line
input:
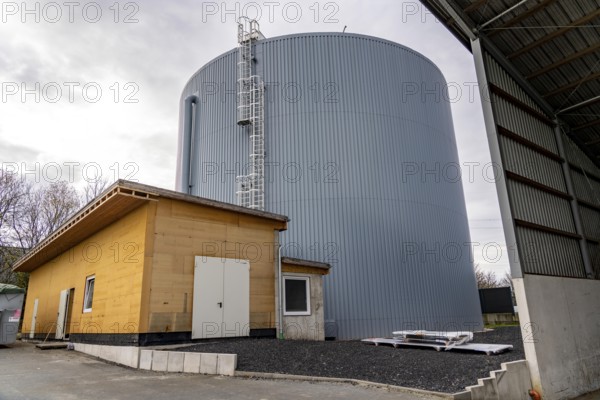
<point x="27" y="373"/>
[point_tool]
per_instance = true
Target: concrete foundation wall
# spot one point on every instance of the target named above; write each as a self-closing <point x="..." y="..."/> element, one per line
<point x="561" y="333"/>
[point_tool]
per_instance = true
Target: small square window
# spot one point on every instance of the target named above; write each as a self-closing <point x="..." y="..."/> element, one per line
<point x="89" y="293"/>
<point x="297" y="295"/>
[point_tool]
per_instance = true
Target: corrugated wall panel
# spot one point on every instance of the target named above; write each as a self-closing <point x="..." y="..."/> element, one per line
<point x="586" y="188"/>
<point x="541" y="251"/>
<point x="594" y="250"/>
<point x="528" y="163"/>
<point x="578" y="158"/>
<point x="523" y="124"/>
<point x="542" y="208"/>
<point x="499" y="77"/>
<point x="548" y="254"/>
<point x="590" y="220"/>
<point x="363" y="160"/>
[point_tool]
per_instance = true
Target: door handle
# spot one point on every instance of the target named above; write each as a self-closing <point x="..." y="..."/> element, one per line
<point x="220" y="304"/>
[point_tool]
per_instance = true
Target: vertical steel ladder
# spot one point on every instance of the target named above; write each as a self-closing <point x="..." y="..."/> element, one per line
<point x="251" y="112"/>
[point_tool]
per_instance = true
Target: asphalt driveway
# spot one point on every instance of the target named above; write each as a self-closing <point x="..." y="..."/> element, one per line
<point x="27" y="373"/>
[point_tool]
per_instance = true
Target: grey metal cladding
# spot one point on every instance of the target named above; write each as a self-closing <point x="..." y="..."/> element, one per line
<point x="498" y="76"/>
<point x="551" y="246"/>
<point x="590" y="218"/>
<point x="526" y="162"/>
<point x="541" y="208"/>
<point x="539" y="254"/>
<point x="361" y="155"/>
<point x="586" y="187"/>
<point x="594" y="250"/>
<point x="578" y="158"/>
<point x="523" y="124"/>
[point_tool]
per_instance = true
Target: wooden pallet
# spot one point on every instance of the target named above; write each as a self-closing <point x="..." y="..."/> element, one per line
<point x="488" y="349"/>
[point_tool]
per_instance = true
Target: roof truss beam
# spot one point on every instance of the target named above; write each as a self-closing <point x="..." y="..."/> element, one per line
<point x="571" y="85"/>
<point x="553" y="35"/>
<point x="591" y="142"/>
<point x="564" y="61"/>
<point x="519" y="4"/>
<point x="475" y="6"/>
<point x="584" y="103"/>
<point x="459" y="18"/>
<point x="521" y="17"/>
<point x="586" y="125"/>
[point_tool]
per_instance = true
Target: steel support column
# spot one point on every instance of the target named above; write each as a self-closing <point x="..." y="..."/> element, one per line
<point x="494" y="144"/>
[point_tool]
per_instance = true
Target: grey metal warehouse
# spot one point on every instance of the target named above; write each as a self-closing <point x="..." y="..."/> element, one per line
<point x="538" y="64"/>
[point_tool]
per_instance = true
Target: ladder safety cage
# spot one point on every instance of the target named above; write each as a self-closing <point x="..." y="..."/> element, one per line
<point x="248" y="32"/>
<point x="250" y="189"/>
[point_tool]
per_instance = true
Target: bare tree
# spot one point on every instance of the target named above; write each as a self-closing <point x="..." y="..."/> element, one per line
<point x="8" y="256"/>
<point x="13" y="193"/>
<point x="59" y="202"/>
<point x="28" y="214"/>
<point x="485" y="279"/>
<point x="26" y="225"/>
<point x="93" y="189"/>
<point x="506" y="281"/>
<point x="42" y="212"/>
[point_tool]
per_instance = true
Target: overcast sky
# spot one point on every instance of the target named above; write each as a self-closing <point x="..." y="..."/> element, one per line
<point x="94" y="87"/>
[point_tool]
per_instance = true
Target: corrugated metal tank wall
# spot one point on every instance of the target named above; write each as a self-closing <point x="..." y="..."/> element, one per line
<point x="364" y="167"/>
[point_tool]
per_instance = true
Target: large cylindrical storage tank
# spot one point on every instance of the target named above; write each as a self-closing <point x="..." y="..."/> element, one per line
<point x="361" y="155"/>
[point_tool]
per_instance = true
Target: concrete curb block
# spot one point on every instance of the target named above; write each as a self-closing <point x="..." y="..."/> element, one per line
<point x="160" y="361"/>
<point x="357" y="382"/>
<point x="175" y="363"/>
<point x="191" y="363"/>
<point x="163" y="361"/>
<point x="209" y="363"/>
<point x="512" y="381"/>
<point x="124" y="355"/>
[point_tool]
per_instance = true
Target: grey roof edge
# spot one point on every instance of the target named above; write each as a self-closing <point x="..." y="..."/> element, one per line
<point x="454" y="30"/>
<point x="309" y="34"/>
<point x="174" y="195"/>
<point x="305" y="263"/>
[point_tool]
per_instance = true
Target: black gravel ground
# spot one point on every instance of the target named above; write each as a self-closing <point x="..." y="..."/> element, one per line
<point x="444" y="371"/>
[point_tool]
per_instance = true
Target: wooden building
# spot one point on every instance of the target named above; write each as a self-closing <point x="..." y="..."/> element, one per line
<point x="141" y="265"/>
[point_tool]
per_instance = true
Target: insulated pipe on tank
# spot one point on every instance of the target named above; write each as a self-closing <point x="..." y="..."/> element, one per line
<point x="280" y="292"/>
<point x="188" y="131"/>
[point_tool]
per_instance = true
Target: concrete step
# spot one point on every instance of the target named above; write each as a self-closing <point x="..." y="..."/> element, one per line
<point x="510" y="382"/>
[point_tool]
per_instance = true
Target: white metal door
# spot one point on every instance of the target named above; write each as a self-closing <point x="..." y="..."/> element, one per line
<point x="33" y="319"/>
<point x="207" y="309"/>
<point x="62" y="314"/>
<point x="236" y="298"/>
<point x="221" y="298"/>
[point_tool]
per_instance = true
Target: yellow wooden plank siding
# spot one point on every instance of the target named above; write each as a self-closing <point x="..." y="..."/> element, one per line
<point x="183" y="231"/>
<point x="115" y="255"/>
